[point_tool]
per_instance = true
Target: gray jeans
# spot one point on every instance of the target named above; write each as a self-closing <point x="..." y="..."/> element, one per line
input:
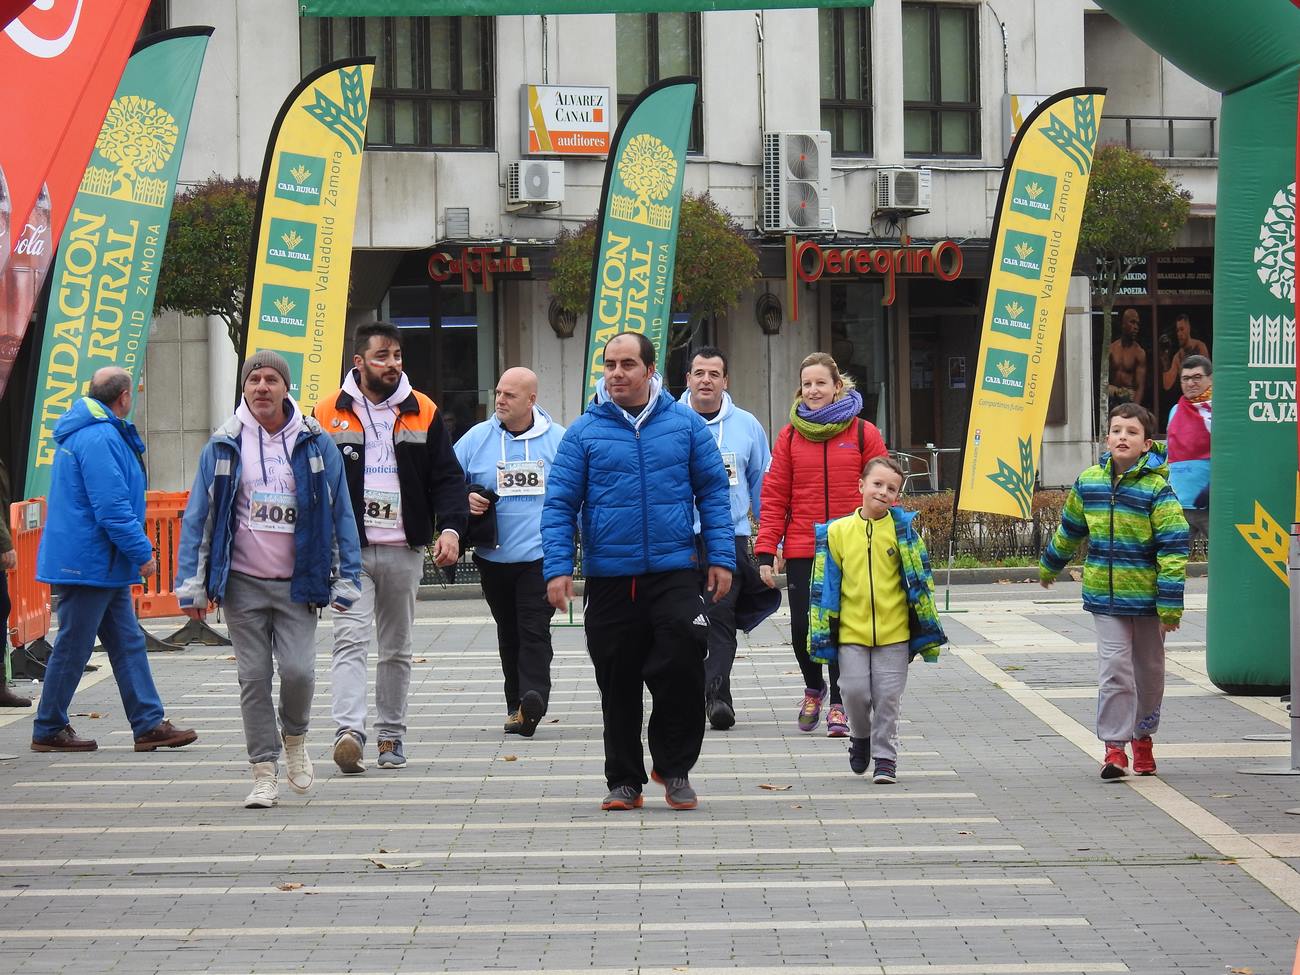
<point x="270" y="632"/>
<point x="872" y="681"/>
<point x="390" y="576"/>
<point x="1130" y="677"/>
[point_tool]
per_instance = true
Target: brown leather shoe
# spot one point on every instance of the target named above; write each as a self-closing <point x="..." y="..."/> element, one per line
<point x="8" y="699"/>
<point x="514" y="722"/>
<point x="165" y="735"/>
<point x="64" y="740"/>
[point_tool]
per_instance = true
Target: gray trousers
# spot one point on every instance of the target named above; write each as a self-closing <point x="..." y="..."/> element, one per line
<point x="270" y="632"/>
<point x="871" y="682"/>
<point x="390" y="577"/>
<point x="1130" y="677"/>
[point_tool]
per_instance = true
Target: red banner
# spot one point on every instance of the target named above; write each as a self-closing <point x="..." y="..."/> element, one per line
<point x="54" y="58"/>
<point x="9" y="9"/>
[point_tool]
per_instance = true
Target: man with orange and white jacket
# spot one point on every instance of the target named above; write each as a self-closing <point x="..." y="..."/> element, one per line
<point x="407" y="490"/>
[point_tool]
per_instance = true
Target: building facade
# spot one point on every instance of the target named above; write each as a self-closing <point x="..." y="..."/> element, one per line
<point x="916" y="98"/>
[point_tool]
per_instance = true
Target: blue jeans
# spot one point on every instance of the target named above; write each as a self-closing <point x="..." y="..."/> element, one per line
<point x="85" y="611"/>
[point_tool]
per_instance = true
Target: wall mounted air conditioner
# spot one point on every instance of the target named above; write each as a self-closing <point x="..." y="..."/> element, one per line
<point x="797" y="183"/>
<point x="903" y="190"/>
<point x="535" y="181"/>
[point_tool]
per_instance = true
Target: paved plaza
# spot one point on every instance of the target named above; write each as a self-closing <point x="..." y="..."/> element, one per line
<point x="998" y="851"/>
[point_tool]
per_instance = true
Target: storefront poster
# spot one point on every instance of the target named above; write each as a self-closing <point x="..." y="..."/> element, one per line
<point x="296" y="301"/>
<point x="636" y="233"/>
<point x="1034" y="237"/>
<point x="106" y="272"/>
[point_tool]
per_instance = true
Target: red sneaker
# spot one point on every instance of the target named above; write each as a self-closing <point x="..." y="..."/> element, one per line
<point x="1144" y="762"/>
<point x="1116" y="764"/>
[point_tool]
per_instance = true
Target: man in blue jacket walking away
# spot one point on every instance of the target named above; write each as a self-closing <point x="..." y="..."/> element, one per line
<point x="92" y="551"/>
<point x="630" y="473"/>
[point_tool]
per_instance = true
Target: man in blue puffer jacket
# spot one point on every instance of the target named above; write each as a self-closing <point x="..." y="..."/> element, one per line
<point x="93" y="549"/>
<point x="630" y="472"/>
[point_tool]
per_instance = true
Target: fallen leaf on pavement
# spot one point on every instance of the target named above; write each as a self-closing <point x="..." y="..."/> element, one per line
<point x="230" y="658"/>
<point x="509" y="758"/>
<point x="389" y="849"/>
<point x="1242" y="971"/>
<point x="288" y="886"/>
<point x="775" y="788"/>
<point x="796" y="806"/>
<point x="1224" y="795"/>
<point x="965" y="832"/>
<point x="87" y="714"/>
<point x="1011" y="667"/>
<point x="420" y="660"/>
<point x="395" y="866"/>
<point x="554" y="721"/>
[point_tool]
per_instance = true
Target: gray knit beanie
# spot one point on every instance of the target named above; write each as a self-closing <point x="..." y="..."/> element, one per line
<point x="265" y="359"/>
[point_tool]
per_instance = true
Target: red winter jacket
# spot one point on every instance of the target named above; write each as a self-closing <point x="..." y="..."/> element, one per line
<point x="811" y="482"/>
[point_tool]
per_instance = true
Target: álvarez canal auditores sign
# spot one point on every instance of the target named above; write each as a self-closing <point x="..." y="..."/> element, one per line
<point x="807" y="261"/>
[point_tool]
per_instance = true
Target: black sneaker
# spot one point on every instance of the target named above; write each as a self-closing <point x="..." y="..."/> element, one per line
<point x="721" y="715"/>
<point x="531" y="710"/>
<point x="677" y="791"/>
<point x="886" y="772"/>
<point x="859" y="755"/>
<point x="623" y="797"/>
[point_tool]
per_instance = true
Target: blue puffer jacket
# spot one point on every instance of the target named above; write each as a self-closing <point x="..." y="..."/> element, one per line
<point x="94" y="534"/>
<point x="633" y="486"/>
<point x="327" y="549"/>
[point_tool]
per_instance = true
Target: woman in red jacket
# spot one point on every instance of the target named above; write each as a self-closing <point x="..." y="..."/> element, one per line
<point x="816" y="462"/>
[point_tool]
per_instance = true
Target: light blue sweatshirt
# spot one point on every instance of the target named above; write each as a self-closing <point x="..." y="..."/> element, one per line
<point x="743" y="443"/>
<point x="488" y="445"/>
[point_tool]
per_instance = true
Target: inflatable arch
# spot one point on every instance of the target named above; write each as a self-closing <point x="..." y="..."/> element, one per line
<point x="1250" y="52"/>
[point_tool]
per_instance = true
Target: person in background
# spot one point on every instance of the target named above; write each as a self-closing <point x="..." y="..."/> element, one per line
<point x="1189" y="444"/>
<point x="745" y="454"/>
<point x="817" y="460"/>
<point x="8" y="561"/>
<point x="508" y="457"/>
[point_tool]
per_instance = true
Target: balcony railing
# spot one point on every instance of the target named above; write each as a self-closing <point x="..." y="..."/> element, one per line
<point x="1163" y="136"/>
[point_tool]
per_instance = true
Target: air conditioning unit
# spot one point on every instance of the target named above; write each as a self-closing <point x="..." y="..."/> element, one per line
<point x="797" y="182"/>
<point x="903" y="190"/>
<point x="535" y="181"/>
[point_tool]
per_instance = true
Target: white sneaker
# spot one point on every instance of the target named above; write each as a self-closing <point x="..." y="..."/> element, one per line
<point x="299" y="773"/>
<point x="265" y="787"/>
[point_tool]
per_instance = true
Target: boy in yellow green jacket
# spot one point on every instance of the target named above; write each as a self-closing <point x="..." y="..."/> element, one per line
<point x="871" y="572"/>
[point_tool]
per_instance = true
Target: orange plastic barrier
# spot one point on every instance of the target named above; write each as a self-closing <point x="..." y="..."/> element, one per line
<point x="29" y="615"/>
<point x="162" y="523"/>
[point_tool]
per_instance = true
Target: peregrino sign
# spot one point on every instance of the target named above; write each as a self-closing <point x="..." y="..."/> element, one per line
<point x="807" y="261"/>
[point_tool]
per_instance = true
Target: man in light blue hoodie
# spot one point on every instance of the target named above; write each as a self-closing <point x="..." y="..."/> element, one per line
<point x="507" y="460"/>
<point x="746" y="455"/>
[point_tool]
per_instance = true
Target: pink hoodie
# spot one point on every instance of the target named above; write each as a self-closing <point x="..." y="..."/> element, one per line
<point x="266" y="506"/>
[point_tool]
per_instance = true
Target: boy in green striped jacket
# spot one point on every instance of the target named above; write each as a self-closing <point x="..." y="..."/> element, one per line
<point x="1132" y="580"/>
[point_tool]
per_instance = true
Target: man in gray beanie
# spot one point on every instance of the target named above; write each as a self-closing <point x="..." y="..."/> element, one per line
<point x="269" y="534"/>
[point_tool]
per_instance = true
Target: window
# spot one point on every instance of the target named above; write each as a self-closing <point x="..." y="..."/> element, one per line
<point x="433" y="85"/>
<point x="156" y="18"/>
<point x="941" y="110"/>
<point x="651" y="47"/>
<point x="844" y="38"/>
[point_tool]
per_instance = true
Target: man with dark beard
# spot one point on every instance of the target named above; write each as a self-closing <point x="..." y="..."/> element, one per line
<point x="407" y="490"/>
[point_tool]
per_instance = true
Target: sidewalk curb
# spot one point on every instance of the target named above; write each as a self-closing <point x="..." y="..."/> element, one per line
<point x="960" y="577"/>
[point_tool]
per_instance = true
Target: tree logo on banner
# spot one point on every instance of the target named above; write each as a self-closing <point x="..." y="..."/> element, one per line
<point x="1272" y="346"/>
<point x="648" y="168"/>
<point x="347" y="121"/>
<point x="138" y="137"/>
<point x="1275" y="255"/>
